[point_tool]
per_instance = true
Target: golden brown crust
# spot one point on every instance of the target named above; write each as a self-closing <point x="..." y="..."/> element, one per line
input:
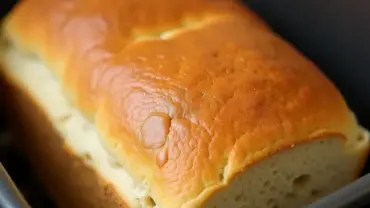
<point x="70" y="182"/>
<point x="232" y="90"/>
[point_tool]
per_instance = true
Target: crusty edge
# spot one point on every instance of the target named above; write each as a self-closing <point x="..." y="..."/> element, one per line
<point x="69" y="181"/>
<point x="363" y="154"/>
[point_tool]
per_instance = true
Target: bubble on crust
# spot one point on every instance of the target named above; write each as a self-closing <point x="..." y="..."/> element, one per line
<point x="154" y="130"/>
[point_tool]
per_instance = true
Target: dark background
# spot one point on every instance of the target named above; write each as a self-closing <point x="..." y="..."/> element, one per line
<point x="335" y="34"/>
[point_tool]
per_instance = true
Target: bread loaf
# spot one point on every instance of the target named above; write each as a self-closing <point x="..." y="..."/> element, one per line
<point x="173" y="104"/>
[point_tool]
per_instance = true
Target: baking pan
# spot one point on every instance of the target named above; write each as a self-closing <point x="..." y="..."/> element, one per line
<point x="10" y="197"/>
<point x="335" y="34"/>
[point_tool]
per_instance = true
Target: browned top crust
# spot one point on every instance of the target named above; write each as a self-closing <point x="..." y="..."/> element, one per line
<point x="185" y="94"/>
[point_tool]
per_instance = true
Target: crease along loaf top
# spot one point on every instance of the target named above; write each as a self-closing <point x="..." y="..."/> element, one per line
<point x="185" y="94"/>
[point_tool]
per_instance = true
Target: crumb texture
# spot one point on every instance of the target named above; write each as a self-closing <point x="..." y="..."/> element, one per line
<point x="292" y="178"/>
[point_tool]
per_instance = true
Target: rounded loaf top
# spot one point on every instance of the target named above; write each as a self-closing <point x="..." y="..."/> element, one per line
<point x="186" y="94"/>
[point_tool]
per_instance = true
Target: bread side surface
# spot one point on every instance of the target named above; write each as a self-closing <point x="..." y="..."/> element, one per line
<point x="61" y="146"/>
<point x="185" y="96"/>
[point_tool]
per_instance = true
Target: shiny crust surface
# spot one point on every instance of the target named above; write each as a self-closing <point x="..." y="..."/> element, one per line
<point x="182" y="111"/>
